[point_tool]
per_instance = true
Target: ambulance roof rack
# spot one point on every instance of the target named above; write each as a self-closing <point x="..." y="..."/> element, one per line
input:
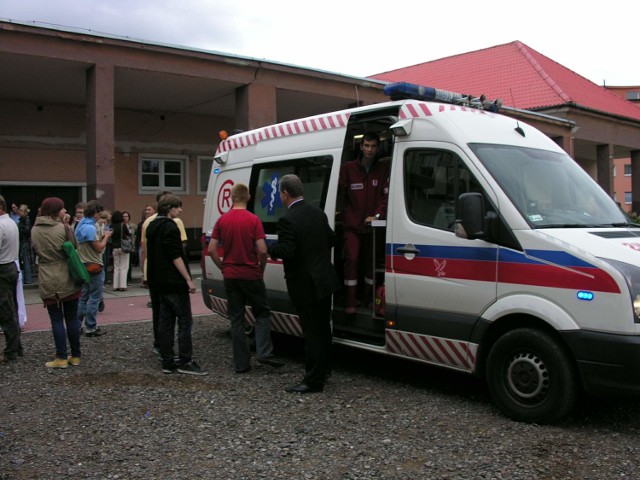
<point x="404" y="91"/>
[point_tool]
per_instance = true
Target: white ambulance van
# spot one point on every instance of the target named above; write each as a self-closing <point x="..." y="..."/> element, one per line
<point x="500" y="257"/>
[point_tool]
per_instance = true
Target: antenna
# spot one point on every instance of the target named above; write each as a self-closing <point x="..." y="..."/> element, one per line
<point x="518" y="127"/>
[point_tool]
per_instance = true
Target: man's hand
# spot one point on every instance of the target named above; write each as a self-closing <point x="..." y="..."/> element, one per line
<point x="192" y="286"/>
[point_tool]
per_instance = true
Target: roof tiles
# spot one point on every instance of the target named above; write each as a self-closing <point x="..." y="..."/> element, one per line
<point x="519" y="75"/>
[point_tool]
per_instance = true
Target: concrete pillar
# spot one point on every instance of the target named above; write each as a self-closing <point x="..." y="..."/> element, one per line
<point x="565" y="143"/>
<point x="635" y="181"/>
<point x="604" y="167"/>
<point x="255" y="106"/>
<point x="100" y="135"/>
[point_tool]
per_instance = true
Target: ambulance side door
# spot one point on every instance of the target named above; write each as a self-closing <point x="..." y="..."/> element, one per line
<point x="436" y="283"/>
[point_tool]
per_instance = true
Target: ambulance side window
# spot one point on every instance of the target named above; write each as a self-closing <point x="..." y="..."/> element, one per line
<point x="265" y="186"/>
<point x="433" y="181"/>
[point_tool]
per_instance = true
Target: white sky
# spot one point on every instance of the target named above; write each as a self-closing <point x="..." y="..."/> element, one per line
<point x="596" y="39"/>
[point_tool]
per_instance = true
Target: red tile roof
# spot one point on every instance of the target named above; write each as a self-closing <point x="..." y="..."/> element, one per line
<point x="520" y="76"/>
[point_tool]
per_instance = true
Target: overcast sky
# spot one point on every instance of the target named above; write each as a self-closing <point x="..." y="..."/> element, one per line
<point x="598" y="40"/>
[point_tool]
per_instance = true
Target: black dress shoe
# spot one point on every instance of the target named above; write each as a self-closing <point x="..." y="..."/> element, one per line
<point x="304" y="388"/>
<point x="272" y="362"/>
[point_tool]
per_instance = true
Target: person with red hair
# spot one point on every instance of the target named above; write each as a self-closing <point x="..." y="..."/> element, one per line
<point x="58" y="290"/>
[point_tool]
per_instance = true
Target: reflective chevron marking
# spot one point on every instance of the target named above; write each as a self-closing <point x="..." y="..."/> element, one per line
<point x="438" y="350"/>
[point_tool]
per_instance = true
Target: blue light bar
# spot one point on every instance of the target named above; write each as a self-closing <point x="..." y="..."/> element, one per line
<point x="404" y="90"/>
<point x="583" y="295"/>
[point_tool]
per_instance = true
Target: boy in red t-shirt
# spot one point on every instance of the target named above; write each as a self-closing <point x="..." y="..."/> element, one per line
<point x="242" y="262"/>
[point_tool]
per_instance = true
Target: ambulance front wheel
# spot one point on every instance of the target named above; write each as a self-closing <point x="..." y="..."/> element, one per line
<point x="531" y="376"/>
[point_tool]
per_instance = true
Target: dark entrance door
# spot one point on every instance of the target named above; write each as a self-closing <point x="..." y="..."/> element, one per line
<point x="33" y="196"/>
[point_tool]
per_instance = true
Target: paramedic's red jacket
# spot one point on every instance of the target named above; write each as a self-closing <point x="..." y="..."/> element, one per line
<point x="365" y="193"/>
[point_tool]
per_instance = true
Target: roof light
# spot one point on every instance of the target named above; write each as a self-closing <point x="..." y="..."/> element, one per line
<point x="403" y="90"/>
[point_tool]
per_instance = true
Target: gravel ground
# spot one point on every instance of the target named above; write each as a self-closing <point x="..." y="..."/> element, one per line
<point x="117" y="416"/>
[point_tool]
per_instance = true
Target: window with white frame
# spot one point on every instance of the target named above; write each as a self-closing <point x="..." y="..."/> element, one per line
<point x="205" y="164"/>
<point x="627" y="198"/>
<point x="163" y="172"/>
<point x="627" y="169"/>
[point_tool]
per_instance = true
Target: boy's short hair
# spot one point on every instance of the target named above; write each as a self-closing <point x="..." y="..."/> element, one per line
<point x="240" y="193"/>
<point x="167" y="202"/>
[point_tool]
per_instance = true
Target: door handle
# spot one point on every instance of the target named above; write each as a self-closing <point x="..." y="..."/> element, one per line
<point x="408" y="249"/>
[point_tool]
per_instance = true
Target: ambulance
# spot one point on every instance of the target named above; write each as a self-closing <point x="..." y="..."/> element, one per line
<point x="499" y="257"/>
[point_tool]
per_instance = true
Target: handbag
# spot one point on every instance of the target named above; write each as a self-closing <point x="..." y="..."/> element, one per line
<point x="126" y="244"/>
<point x="77" y="270"/>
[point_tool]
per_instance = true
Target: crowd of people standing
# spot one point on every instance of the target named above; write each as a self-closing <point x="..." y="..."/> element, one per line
<point x="304" y="244"/>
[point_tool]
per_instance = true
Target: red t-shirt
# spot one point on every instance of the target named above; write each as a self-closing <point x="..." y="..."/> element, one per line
<point x="237" y="231"/>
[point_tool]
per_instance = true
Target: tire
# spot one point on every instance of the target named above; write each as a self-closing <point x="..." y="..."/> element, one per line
<point x="531" y="377"/>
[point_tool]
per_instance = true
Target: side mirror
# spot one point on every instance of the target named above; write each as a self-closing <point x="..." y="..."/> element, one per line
<point x="472" y="221"/>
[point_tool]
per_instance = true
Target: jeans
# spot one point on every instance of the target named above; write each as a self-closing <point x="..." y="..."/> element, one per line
<point x="25" y="261"/>
<point x="89" y="302"/>
<point x="172" y="306"/>
<point x="61" y="313"/>
<point x="9" y="310"/>
<point x="239" y="294"/>
<point x="155" y="316"/>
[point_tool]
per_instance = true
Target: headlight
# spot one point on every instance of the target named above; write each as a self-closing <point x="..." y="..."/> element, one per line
<point x="631" y="274"/>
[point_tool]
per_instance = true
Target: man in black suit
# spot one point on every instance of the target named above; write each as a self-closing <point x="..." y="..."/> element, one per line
<point x="304" y="244"/>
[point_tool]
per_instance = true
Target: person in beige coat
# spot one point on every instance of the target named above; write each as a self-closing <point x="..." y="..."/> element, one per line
<point x="58" y="290"/>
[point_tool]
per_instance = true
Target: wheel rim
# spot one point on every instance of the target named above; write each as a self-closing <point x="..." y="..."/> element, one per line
<point x="528" y="378"/>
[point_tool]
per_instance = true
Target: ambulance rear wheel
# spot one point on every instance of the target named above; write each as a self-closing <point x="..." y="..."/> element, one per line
<point x="531" y="376"/>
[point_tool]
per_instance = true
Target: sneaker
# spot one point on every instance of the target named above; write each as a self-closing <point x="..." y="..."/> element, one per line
<point x="191" y="368"/>
<point x="170" y="370"/>
<point x="156" y="350"/>
<point x="57" y="363"/>
<point x="75" y="361"/>
<point x="96" y="333"/>
<point x="101" y="306"/>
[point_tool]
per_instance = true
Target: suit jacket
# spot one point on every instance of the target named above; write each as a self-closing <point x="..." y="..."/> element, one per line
<point x="304" y="244"/>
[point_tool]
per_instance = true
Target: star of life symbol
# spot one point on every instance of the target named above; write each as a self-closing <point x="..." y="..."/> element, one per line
<point x="440" y="265"/>
<point x="271" y="200"/>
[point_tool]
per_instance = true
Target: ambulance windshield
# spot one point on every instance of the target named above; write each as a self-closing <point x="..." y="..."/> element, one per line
<point x="549" y="189"/>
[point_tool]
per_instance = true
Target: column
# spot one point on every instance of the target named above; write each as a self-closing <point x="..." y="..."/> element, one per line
<point x="100" y="135"/>
<point x="635" y="181"/>
<point x="255" y="106"/>
<point x="604" y="167"/>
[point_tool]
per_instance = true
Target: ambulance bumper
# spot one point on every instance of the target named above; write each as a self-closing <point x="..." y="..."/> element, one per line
<point x="608" y="364"/>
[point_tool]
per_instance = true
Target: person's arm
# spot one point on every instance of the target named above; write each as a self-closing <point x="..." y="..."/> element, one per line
<point x="285" y="247"/>
<point x="261" y="250"/>
<point x="213" y="253"/>
<point x="100" y="245"/>
<point x="182" y="268"/>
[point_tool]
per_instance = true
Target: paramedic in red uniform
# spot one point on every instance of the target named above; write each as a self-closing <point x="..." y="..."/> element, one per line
<point x="363" y="188"/>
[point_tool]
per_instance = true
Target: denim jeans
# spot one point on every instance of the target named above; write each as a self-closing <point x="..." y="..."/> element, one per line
<point x="61" y="314"/>
<point x="25" y="262"/>
<point x="239" y="294"/>
<point x="172" y="306"/>
<point x="89" y="302"/>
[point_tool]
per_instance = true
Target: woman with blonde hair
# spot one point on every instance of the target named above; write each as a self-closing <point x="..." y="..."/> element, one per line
<point x="58" y="290"/>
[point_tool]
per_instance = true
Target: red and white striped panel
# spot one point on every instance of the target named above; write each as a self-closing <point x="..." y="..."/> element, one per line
<point x="218" y="305"/>
<point x="280" y="322"/>
<point x="442" y="351"/>
<point x="295" y="127"/>
<point x="423" y="110"/>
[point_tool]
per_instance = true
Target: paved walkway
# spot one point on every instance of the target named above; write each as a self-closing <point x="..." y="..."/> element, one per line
<point x="120" y="307"/>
